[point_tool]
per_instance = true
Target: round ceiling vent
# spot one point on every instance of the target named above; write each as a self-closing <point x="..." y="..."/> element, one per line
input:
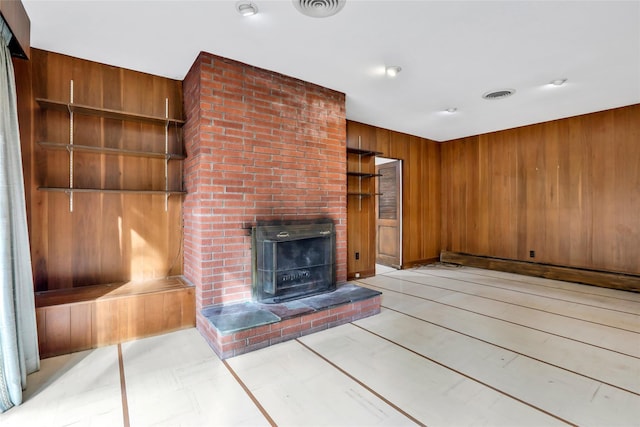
<point x="319" y="8"/>
<point x="499" y="94"/>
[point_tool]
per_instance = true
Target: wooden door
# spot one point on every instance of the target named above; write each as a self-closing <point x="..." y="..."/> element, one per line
<point x="388" y="214"/>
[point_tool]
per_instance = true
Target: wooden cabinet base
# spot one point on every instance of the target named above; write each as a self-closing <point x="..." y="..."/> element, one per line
<point x="78" y="319"/>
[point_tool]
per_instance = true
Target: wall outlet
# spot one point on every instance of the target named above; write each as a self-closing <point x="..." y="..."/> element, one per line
<point x="357" y="275"/>
<point x="357" y="255"/>
<point x="532" y="254"/>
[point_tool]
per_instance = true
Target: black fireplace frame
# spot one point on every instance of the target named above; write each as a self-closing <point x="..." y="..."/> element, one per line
<point x="268" y="277"/>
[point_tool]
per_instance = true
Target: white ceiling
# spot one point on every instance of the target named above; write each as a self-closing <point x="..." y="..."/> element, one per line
<point x="451" y="52"/>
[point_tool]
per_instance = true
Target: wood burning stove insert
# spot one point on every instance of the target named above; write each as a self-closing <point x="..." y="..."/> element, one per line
<point x="293" y="260"/>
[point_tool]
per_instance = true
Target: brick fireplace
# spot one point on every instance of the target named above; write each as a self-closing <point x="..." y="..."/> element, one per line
<point x="260" y="146"/>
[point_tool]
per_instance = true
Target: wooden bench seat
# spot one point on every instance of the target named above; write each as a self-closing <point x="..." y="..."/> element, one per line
<point x="87" y="317"/>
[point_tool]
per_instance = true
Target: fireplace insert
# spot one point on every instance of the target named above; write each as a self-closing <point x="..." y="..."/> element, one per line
<point x="293" y="260"/>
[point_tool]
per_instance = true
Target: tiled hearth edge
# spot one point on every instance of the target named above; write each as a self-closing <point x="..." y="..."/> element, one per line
<point x="247" y="340"/>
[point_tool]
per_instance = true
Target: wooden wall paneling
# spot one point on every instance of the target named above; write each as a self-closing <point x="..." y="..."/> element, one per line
<point x="155" y="313"/>
<point x="611" y="173"/>
<point x="158" y="258"/>
<point x="605" y="193"/>
<point x="567" y="189"/>
<point x="22" y="71"/>
<point x="127" y="230"/>
<point x="362" y="136"/>
<point x="557" y="161"/>
<point x="360" y="210"/>
<point x="526" y="165"/>
<point x="172" y="306"/>
<point x="474" y="198"/>
<point x="431" y="176"/>
<point x="87" y="215"/>
<point x="133" y="229"/>
<point x="399" y="149"/>
<point x="81" y="331"/>
<point x="175" y="242"/>
<point x="501" y="197"/>
<point x="382" y="142"/>
<point x="57" y="330"/>
<point x="41" y="327"/>
<point x="188" y="308"/>
<point x="59" y="262"/>
<point x="579" y="197"/>
<point x="627" y="183"/>
<point x="531" y="198"/>
<point x="447" y="224"/>
<point x="160" y="254"/>
<point x="451" y="197"/>
<point x="86" y="239"/>
<point x="413" y="188"/>
<point x="129" y="319"/>
<point x="108" y="327"/>
<point x="52" y="265"/>
<point x="550" y="189"/>
<point x="360" y="235"/>
<point x="481" y="195"/>
<point x="108" y="237"/>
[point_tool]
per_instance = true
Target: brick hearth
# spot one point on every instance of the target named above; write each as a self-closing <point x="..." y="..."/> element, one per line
<point x="291" y="322"/>
<point x="260" y="146"/>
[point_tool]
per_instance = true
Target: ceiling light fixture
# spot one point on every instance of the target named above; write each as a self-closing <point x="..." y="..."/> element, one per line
<point x="392" y="70"/>
<point x="319" y="8"/>
<point x="558" y="82"/>
<point x="246" y="8"/>
<point x="451" y="110"/>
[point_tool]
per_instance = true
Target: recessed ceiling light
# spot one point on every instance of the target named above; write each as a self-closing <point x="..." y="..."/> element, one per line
<point x="558" y="82"/>
<point x="246" y="8"/>
<point x="451" y="110"/>
<point x="392" y="70"/>
<point x="498" y="94"/>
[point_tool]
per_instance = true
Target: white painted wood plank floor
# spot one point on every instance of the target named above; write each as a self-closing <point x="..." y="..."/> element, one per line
<point x="453" y="346"/>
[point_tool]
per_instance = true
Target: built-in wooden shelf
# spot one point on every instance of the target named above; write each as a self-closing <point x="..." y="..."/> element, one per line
<point x="363" y="174"/>
<point x="106" y="150"/>
<point x="70" y="107"/>
<point x="363" y="152"/>
<point x="105" y="190"/>
<point x="364" y="194"/>
<point x="106" y="112"/>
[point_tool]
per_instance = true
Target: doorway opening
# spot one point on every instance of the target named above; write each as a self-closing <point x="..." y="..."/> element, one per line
<point x="388" y="212"/>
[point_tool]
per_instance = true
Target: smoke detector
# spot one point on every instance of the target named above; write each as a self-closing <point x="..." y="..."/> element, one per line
<point x="499" y="94"/>
<point x="319" y="8"/>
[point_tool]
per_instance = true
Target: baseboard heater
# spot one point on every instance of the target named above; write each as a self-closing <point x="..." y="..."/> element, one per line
<point x="606" y="279"/>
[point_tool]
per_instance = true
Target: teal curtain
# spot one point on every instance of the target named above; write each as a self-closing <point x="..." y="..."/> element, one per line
<point x="18" y="335"/>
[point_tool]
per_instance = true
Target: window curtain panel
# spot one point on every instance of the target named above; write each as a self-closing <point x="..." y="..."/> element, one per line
<point x="18" y="335"/>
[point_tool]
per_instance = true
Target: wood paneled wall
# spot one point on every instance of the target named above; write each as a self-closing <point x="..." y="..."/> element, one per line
<point x="108" y="237"/>
<point x="421" y="208"/>
<point x="567" y="189"/>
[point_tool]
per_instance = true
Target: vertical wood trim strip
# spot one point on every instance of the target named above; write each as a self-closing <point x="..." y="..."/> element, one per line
<point x="123" y="389"/>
